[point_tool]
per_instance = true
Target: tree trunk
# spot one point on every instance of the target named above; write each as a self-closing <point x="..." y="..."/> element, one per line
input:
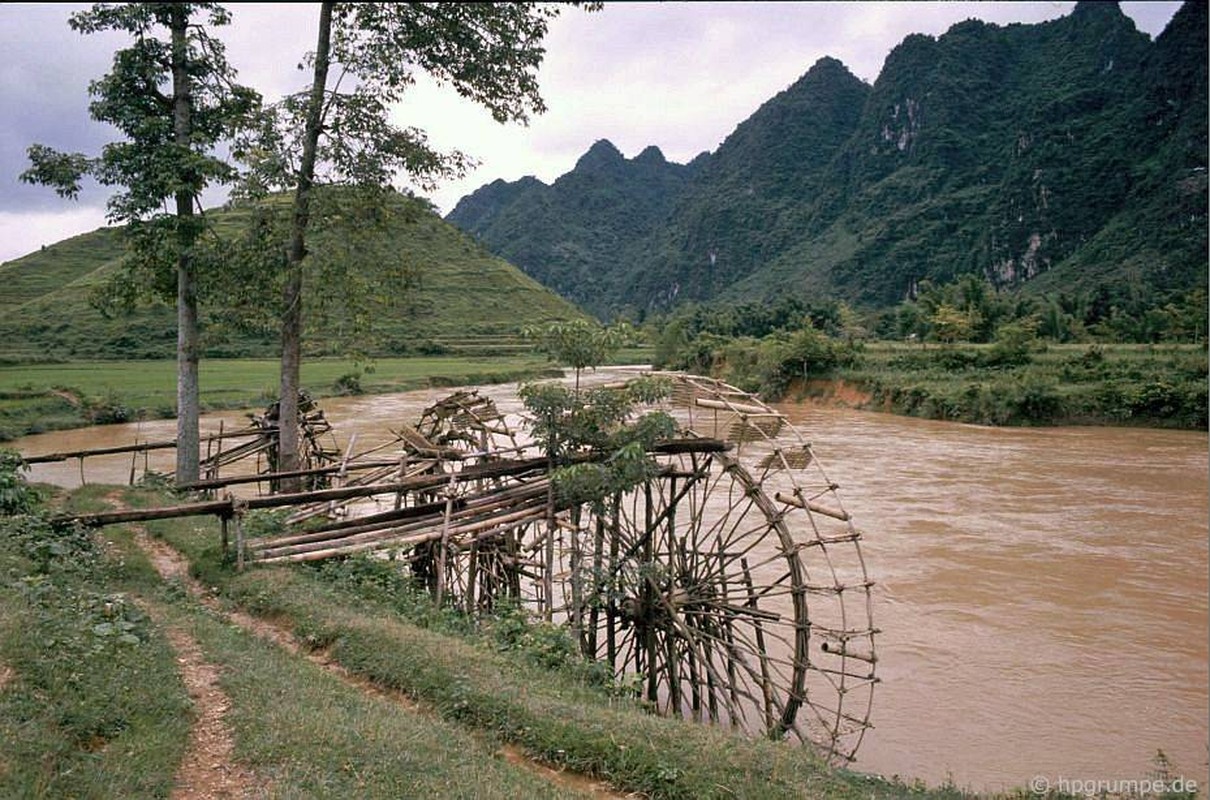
<point x="291" y="324"/>
<point x="188" y="449"/>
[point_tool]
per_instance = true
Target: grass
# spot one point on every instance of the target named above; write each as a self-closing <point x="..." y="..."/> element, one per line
<point x="94" y="707"/>
<point x="40" y="397"/>
<point x="310" y="734"/>
<point x="92" y="704"/>
<point x="459" y="293"/>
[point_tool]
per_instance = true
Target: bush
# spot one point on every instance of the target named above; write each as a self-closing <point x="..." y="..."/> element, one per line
<point x="16" y="496"/>
<point x="108" y="410"/>
<point x="349" y="384"/>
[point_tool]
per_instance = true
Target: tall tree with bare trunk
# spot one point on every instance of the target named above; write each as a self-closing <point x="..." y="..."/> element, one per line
<point x="173" y="95"/>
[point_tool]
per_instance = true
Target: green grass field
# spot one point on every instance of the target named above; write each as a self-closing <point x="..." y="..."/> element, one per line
<point x="40" y="397"/>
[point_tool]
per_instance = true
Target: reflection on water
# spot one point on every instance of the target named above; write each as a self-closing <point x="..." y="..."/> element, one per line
<point x="1042" y="592"/>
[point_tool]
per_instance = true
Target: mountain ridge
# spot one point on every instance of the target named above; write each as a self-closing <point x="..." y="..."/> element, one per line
<point x="1067" y="155"/>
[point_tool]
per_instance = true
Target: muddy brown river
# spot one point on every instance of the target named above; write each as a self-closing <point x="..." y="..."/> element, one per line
<point x="1042" y="592"/>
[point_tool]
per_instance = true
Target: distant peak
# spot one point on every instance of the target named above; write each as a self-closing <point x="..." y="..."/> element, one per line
<point x="827" y="71"/>
<point x="1098" y="7"/>
<point x="651" y="155"/>
<point x="601" y="154"/>
<point x="828" y="63"/>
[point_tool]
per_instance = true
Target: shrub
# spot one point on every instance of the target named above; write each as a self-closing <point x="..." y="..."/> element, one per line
<point x="16" y="496"/>
<point x="349" y="384"/>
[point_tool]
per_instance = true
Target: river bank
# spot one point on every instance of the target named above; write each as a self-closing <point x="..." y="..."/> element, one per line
<point x="1093" y="385"/>
<point x="1059" y="385"/>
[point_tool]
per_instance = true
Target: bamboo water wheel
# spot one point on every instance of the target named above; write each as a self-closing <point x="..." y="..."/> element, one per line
<point x="473" y="564"/>
<point x="317" y="445"/>
<point x="730" y="588"/>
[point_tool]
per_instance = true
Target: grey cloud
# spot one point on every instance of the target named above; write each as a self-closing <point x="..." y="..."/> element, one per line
<point x="44" y="79"/>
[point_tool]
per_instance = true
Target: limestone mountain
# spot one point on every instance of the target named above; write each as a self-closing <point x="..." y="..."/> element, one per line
<point x="572" y="235"/>
<point x="1064" y="156"/>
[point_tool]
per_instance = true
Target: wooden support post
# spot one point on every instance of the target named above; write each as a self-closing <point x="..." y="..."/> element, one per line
<point x="445" y="540"/>
<point x="212" y="473"/>
<point x="225" y="541"/>
<point x="403" y="469"/>
<point x="239" y="508"/>
<point x="548" y="576"/>
<point x="82" y="481"/>
<point x="577" y="589"/>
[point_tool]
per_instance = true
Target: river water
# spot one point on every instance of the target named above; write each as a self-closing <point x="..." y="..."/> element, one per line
<point x="1042" y="592"/>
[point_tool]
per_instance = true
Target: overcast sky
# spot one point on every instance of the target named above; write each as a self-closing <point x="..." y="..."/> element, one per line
<point x="680" y="76"/>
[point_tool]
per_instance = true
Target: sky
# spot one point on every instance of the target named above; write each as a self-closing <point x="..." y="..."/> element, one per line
<point x="680" y="76"/>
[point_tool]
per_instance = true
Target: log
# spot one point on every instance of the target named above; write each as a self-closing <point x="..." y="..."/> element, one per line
<point x="691" y="445"/>
<point x="219" y="508"/>
<point x="47" y="458"/>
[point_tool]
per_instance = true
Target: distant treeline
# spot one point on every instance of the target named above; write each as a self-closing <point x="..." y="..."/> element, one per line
<point x="964" y="351"/>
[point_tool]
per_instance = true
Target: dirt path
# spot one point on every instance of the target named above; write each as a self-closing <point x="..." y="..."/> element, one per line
<point x="208" y="769"/>
<point x="171" y="565"/>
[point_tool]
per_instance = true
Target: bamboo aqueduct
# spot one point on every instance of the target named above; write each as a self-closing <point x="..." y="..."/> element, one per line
<point x="730" y="587"/>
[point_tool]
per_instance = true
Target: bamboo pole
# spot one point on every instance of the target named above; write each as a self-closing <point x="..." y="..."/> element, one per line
<point x="67" y="455"/>
<point x="219" y="483"/>
<point x="390" y="538"/>
<point x="414" y="532"/>
<point x="738" y="408"/>
<point x="811" y="505"/>
<point x="445" y="539"/>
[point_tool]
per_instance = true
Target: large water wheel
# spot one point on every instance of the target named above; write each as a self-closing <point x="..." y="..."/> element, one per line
<point x="728" y="588"/>
<point x="476" y="567"/>
<point x="317" y="446"/>
<point x="732" y="586"/>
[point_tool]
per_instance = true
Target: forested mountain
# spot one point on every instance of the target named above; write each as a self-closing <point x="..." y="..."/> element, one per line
<point x="577" y="229"/>
<point x="1067" y="156"/>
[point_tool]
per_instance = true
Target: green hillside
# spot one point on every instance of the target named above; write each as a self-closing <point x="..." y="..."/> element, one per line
<point x="457" y="294"/>
<point x="1066" y="157"/>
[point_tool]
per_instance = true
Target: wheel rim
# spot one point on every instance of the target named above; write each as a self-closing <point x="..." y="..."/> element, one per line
<point x="797" y="656"/>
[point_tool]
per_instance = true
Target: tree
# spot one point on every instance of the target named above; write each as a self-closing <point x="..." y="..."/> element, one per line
<point x="172" y="94"/>
<point x="951" y="325"/>
<point x="339" y="132"/>
<point x="580" y="343"/>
